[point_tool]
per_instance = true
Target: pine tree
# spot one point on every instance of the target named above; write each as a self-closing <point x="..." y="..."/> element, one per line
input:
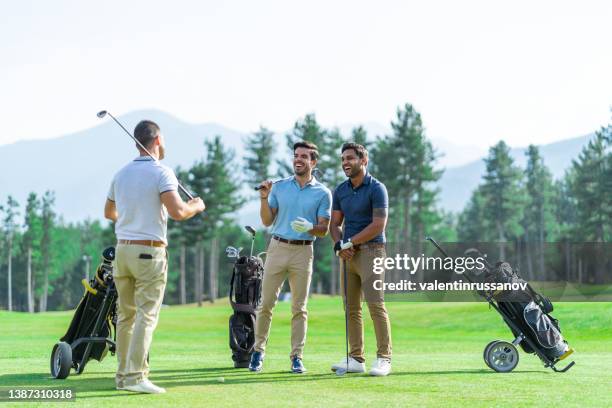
<point x="48" y="224"/>
<point x="259" y="149"/>
<point x="504" y="197"/>
<point x="9" y="228"/>
<point x="31" y="243"/>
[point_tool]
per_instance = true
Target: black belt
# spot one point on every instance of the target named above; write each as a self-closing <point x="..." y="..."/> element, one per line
<point x="293" y="241"/>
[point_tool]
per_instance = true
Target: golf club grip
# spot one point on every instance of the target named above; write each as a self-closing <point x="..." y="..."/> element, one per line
<point x="259" y="187"/>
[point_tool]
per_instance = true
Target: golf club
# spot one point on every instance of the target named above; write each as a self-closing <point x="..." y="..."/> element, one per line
<point x="315" y="172"/>
<point x="103" y="113"/>
<point x="251" y="231"/>
<point x="342" y="371"/>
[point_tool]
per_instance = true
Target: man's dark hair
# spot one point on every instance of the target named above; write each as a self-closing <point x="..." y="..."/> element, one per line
<point x="359" y="149"/>
<point x="314" y="150"/>
<point x="145" y="132"/>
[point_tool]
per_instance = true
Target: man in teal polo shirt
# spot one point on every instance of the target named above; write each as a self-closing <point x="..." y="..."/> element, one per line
<point x="298" y="208"/>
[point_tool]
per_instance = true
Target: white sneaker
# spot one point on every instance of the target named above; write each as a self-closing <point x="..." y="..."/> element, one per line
<point x="146" y="387"/>
<point x="381" y="367"/>
<point x="354" y="366"/>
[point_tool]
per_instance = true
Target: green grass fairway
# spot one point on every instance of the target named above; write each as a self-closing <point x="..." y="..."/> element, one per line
<point x="437" y="360"/>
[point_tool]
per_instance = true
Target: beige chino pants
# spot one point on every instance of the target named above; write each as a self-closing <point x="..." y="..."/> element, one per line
<point x="361" y="278"/>
<point x="140" y="277"/>
<point x="295" y="263"/>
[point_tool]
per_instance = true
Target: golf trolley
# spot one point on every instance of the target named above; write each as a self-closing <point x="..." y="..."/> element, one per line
<point x="244" y="296"/>
<point x="89" y="334"/>
<point x="527" y="315"/>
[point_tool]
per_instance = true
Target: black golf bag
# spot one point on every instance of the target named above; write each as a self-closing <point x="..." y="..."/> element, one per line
<point x="245" y="292"/>
<point x="94" y="321"/>
<point x="530" y="313"/>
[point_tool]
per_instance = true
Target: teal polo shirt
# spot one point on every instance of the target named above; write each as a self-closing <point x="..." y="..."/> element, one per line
<point x="309" y="202"/>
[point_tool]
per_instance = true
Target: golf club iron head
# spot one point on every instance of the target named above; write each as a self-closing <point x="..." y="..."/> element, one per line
<point x="250" y="230"/>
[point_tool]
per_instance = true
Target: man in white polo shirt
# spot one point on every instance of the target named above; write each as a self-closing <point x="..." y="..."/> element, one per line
<point x="141" y="196"/>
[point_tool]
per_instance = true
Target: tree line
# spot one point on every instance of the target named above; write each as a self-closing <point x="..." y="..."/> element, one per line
<point x="43" y="259"/>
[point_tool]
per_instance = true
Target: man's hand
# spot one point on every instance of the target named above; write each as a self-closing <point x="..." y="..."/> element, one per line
<point x="264" y="189"/>
<point x="347" y="254"/>
<point x="197" y="204"/>
<point x="341" y="246"/>
<point x="346" y="245"/>
<point x="301" y="225"/>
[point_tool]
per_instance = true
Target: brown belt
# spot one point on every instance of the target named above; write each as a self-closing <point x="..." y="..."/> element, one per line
<point x="369" y="245"/>
<point x="293" y="241"/>
<point x="144" y="242"/>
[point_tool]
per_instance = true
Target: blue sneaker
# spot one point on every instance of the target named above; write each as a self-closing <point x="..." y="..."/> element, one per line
<point x="297" y="366"/>
<point x="256" y="361"/>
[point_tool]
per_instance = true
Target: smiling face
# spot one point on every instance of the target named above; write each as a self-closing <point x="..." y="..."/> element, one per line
<point x="352" y="164"/>
<point x="302" y="161"/>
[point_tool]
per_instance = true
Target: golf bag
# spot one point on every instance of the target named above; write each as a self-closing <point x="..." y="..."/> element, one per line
<point x="530" y="313"/>
<point x="95" y="319"/>
<point x="245" y="292"/>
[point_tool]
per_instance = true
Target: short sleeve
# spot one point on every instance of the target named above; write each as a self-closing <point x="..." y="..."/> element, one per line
<point x="167" y="181"/>
<point x="325" y="204"/>
<point x="336" y="200"/>
<point x="380" y="199"/>
<point x="111" y="191"/>
<point x="272" y="198"/>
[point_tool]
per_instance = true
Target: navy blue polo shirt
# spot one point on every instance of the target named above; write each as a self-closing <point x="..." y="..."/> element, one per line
<point x="357" y="204"/>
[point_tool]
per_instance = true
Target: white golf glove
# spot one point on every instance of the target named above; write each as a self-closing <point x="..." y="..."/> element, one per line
<point x="346" y="245"/>
<point x="301" y="225"/>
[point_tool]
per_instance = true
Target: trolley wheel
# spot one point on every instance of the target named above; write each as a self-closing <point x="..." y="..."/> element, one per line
<point x="486" y="351"/>
<point x="502" y="356"/>
<point x="61" y="360"/>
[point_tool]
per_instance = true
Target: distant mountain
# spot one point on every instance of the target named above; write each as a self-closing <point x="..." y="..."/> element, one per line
<point x="457" y="183"/>
<point x="79" y="166"/>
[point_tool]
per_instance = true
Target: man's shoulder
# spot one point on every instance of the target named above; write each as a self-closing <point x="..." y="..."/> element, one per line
<point x="342" y="185"/>
<point x="376" y="183"/>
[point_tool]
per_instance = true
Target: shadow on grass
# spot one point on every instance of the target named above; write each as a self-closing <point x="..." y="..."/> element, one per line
<point x="201" y="376"/>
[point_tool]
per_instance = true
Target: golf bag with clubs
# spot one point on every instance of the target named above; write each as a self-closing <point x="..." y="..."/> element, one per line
<point x="95" y="319"/>
<point x="245" y="292"/>
<point x="244" y="296"/>
<point x="529" y="311"/>
<point x="527" y="314"/>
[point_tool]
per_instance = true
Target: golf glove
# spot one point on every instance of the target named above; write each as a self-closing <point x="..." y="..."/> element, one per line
<point x="301" y="225"/>
<point x="340" y="245"/>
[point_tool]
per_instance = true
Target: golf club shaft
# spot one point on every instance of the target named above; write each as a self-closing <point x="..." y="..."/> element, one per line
<point x="183" y="189"/>
<point x="316" y="173"/>
<point x="346" y="306"/>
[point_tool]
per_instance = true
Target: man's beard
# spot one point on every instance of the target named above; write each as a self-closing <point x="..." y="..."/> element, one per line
<point x="162" y="152"/>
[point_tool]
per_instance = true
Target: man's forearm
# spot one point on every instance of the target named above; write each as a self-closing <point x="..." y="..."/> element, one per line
<point x="319" y="230"/>
<point x="265" y="212"/>
<point x="335" y="232"/>
<point x="368" y="233"/>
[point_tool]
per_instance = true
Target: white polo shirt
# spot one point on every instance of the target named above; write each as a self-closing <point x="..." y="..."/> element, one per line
<point x="136" y="190"/>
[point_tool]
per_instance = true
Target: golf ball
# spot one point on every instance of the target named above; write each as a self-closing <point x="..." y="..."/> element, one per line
<point x="221" y="379"/>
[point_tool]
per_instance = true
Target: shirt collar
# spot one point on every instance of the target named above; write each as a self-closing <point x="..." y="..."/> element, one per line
<point x="144" y="158"/>
<point x="313" y="181"/>
<point x="367" y="179"/>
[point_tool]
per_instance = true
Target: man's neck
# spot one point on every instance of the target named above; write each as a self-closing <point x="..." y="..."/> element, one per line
<point x="358" y="179"/>
<point x="304" y="179"/>
<point x="154" y="154"/>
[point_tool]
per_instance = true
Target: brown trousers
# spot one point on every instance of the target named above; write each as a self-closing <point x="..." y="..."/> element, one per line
<point x="360" y="282"/>
<point x="140" y="286"/>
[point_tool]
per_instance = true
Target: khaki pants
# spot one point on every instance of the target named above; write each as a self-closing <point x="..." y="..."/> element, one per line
<point x="282" y="261"/>
<point x="360" y="281"/>
<point x="140" y="286"/>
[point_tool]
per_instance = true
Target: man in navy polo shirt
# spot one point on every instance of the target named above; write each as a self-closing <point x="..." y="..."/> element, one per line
<point x="298" y="208"/>
<point x="361" y="202"/>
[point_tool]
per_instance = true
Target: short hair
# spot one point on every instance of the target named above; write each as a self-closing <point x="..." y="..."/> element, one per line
<point x="146" y="131"/>
<point x="314" y="150"/>
<point x="359" y="149"/>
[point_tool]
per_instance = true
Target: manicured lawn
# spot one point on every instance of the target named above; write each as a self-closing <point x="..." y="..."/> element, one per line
<point x="437" y="360"/>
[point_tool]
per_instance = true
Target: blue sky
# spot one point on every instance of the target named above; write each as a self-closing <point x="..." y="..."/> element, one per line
<point x="478" y="71"/>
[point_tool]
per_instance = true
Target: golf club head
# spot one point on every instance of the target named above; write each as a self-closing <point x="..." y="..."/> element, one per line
<point x="101" y="114"/>
<point x="232" y="252"/>
<point x="341" y="371"/>
<point x="250" y="230"/>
